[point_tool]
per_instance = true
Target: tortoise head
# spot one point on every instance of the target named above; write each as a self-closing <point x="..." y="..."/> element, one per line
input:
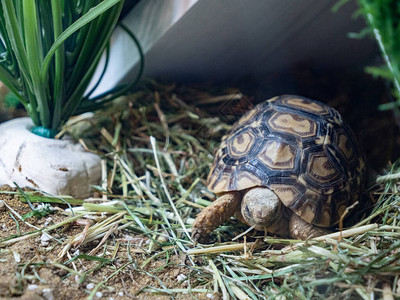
<point x="261" y="207"/>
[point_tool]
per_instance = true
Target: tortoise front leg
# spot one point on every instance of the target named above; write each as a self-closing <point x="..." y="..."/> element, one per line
<point x="214" y="215"/>
<point x="300" y="229"/>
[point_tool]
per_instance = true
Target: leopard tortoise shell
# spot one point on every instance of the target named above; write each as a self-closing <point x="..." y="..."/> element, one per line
<point x="288" y="150"/>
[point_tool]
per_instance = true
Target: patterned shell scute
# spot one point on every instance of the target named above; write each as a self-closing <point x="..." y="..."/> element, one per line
<point x="299" y="148"/>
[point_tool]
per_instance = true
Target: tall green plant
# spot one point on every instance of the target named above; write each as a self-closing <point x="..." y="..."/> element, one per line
<point x="383" y="18"/>
<point x="49" y="51"/>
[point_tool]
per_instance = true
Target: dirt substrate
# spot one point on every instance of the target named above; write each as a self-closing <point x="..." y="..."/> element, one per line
<point x="30" y="269"/>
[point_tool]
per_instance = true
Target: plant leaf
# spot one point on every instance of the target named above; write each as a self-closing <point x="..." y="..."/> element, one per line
<point x="59" y="81"/>
<point x="15" y="37"/>
<point x="89" y="16"/>
<point x="34" y="55"/>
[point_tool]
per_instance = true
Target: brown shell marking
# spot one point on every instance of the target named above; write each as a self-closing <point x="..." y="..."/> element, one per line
<point x="221" y="183"/>
<point x="278" y="155"/>
<point x="306" y="105"/>
<point x="247" y="180"/>
<point x="307" y="212"/>
<point x="345" y="146"/>
<point x="247" y="117"/>
<point x="321" y="169"/>
<point x="241" y="144"/>
<point x="286" y="193"/>
<point x="291" y="123"/>
<point x="303" y="205"/>
<point x="310" y="210"/>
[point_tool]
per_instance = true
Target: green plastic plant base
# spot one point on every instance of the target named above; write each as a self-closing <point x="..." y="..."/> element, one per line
<point x="43" y="132"/>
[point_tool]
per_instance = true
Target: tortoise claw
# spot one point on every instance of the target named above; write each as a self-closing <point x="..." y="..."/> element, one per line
<point x="200" y="237"/>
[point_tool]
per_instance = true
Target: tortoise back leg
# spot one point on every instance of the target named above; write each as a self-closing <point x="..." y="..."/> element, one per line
<point x="300" y="229"/>
<point x="214" y="215"/>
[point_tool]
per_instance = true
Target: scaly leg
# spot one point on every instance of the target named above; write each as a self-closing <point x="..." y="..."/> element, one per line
<point x="300" y="229"/>
<point x="214" y="215"/>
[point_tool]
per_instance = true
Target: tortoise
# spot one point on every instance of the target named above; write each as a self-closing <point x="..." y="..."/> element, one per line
<point x="290" y="166"/>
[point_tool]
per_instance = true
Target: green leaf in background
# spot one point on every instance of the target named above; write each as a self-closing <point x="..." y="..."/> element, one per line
<point x="12" y="100"/>
<point x="383" y="18"/>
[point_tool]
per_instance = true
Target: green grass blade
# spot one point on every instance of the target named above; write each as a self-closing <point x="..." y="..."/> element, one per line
<point x="34" y="55"/>
<point x="73" y="10"/>
<point x="59" y="65"/>
<point x="76" y="98"/>
<point x="15" y="37"/>
<point x="100" y="30"/>
<point x="89" y="16"/>
<point x="8" y="58"/>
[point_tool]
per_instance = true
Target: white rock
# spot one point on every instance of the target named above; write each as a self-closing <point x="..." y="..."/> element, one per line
<point x="32" y="287"/>
<point x="90" y="286"/>
<point x="120" y="294"/>
<point x="17" y="256"/>
<point x="59" y="167"/>
<point x="181" y="277"/>
<point x="99" y="294"/>
<point x="45" y="237"/>
<point x="48" y="221"/>
<point x="48" y="294"/>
